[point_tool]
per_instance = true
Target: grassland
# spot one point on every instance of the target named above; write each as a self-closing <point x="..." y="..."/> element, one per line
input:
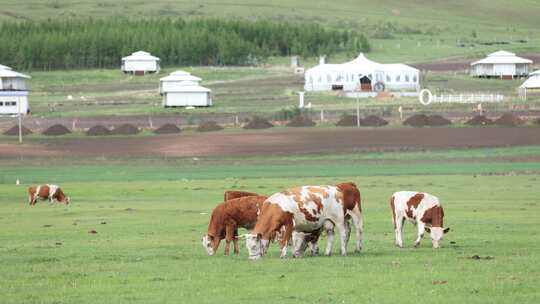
<point x="264" y="90"/>
<point x="149" y="215"/>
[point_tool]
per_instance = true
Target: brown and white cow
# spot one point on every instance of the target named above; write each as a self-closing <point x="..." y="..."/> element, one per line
<point x="423" y="210"/>
<point x="232" y="194"/>
<point x="47" y="192"/>
<point x="307" y="209"/>
<point x="227" y="217"/>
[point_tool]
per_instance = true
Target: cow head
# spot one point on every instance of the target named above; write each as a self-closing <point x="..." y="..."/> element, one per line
<point x="255" y="246"/>
<point x="436" y="234"/>
<point x="208" y="244"/>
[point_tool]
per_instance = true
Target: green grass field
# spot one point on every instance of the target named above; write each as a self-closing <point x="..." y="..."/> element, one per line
<point x="150" y="214"/>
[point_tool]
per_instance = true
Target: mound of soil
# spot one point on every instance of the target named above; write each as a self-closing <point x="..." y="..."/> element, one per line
<point x="301" y="121"/>
<point x="437" y="120"/>
<point x="509" y="119"/>
<point x="258" y="123"/>
<point x="347" y="121"/>
<point x="126" y="129"/>
<point x="479" y="120"/>
<point x="56" y="130"/>
<point x="15" y="131"/>
<point x="209" y="126"/>
<point x="98" y="130"/>
<point x="418" y="120"/>
<point x="373" y="121"/>
<point x="167" y="129"/>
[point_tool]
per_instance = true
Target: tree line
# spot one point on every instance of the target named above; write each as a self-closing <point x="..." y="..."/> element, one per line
<point x="100" y="43"/>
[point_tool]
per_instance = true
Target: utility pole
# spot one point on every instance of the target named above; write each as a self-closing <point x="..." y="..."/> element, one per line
<point x="20" y="119"/>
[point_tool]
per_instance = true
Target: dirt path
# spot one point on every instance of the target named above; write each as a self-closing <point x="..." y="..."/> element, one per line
<point x="278" y="142"/>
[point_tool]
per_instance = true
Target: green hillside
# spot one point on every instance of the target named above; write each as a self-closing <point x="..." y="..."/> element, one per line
<point x="409" y="31"/>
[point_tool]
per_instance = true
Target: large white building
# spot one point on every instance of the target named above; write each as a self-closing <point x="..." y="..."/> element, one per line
<point x="362" y="74"/>
<point x="501" y="64"/>
<point x="140" y="63"/>
<point x="181" y="89"/>
<point x="13" y="92"/>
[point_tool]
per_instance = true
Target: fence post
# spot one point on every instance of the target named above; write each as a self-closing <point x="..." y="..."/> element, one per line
<point x="322" y="115"/>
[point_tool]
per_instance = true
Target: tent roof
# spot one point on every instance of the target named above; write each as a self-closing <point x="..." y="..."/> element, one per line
<point x="362" y="63"/>
<point x="533" y="82"/>
<point x="4" y="67"/>
<point x="188" y="89"/>
<point x="141" y="55"/>
<point x="502" y="57"/>
<point x="187" y="77"/>
<point x="12" y="74"/>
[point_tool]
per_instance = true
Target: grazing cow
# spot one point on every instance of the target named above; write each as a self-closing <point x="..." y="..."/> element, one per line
<point x="423" y="210"/>
<point x="50" y="192"/>
<point x="231" y="194"/>
<point x="308" y="209"/>
<point x="227" y="217"/>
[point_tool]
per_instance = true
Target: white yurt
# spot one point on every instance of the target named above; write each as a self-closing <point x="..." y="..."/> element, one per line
<point x="181" y="89"/>
<point x="140" y="63"/>
<point x="362" y="74"/>
<point x="13" y="92"/>
<point x="533" y="82"/>
<point x="501" y="64"/>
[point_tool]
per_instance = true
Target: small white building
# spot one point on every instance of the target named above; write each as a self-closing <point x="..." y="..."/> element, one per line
<point x="362" y="74"/>
<point x="501" y="64"/>
<point x="181" y="89"/>
<point x="140" y="63"/>
<point x="13" y="92"/>
<point x="533" y="82"/>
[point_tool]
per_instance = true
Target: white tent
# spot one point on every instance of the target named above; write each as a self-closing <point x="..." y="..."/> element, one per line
<point x="13" y="92"/>
<point x="182" y="89"/>
<point x="361" y="74"/>
<point x="140" y="63"/>
<point x="501" y="64"/>
<point x="4" y="67"/>
<point x="533" y="82"/>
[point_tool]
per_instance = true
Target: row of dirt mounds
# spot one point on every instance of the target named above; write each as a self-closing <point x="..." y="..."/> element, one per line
<point x="301" y="121"/>
<point x="373" y="121"/>
<point x="421" y="120"/>
<point x="509" y="119"/>
<point x="368" y="121"/>
<point x="15" y="131"/>
<point x="479" y="120"/>
<point x="209" y="126"/>
<point x="98" y="130"/>
<point x="126" y="129"/>
<point x="167" y="129"/>
<point x="56" y="130"/>
<point x="258" y="122"/>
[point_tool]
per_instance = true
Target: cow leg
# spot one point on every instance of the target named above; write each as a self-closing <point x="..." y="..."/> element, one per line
<point x="314" y="243"/>
<point x="299" y="243"/>
<point x="347" y="226"/>
<point x="235" y="241"/>
<point x="287" y="235"/>
<point x="343" y="236"/>
<point x="329" y="228"/>
<point x="399" y="230"/>
<point x="421" y="226"/>
<point x="359" y="226"/>
<point x="229" y="236"/>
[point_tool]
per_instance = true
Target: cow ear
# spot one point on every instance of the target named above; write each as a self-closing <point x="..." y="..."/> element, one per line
<point x="446" y="230"/>
<point x="427" y="229"/>
<point x="259" y="236"/>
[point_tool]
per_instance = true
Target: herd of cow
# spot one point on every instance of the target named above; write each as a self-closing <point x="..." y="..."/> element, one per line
<point x="298" y="216"/>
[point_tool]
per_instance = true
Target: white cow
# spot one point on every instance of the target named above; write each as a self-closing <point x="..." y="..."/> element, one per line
<point x="423" y="210"/>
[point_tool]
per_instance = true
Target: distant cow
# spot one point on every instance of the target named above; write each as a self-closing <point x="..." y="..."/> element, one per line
<point x="423" y="210"/>
<point x="308" y="209"/>
<point x="47" y="192"/>
<point x="227" y="217"/>
<point x="231" y="194"/>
